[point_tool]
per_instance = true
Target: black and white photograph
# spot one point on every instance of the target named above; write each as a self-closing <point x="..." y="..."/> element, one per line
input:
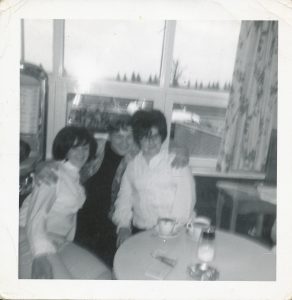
<point x="147" y="157"/>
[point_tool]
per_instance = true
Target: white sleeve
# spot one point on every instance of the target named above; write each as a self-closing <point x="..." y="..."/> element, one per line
<point x="123" y="214"/>
<point x="185" y="198"/>
<point x="41" y="201"/>
<point x="24" y="211"/>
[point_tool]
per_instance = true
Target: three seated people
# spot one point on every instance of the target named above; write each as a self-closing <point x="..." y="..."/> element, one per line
<point x="86" y="206"/>
<point x="163" y="184"/>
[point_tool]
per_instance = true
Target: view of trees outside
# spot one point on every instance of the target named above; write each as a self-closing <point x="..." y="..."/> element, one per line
<point x="136" y="78"/>
<point x="204" y="54"/>
<point x="154" y="80"/>
<point x="128" y="51"/>
<point x="177" y="73"/>
<point x="197" y="45"/>
<point x="131" y="51"/>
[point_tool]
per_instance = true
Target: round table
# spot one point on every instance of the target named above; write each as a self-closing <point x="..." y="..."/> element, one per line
<point x="237" y="257"/>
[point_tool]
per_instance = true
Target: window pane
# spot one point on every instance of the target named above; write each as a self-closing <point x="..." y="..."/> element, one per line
<point x="128" y="51"/>
<point x="204" y="54"/>
<point x="96" y="112"/>
<point x="198" y="128"/>
<point x="38" y="43"/>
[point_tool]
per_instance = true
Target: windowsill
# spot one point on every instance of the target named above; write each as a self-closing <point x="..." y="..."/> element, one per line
<point x="206" y="167"/>
<point x="212" y="172"/>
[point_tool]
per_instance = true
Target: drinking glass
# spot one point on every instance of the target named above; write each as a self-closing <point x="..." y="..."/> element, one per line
<point x="206" y="247"/>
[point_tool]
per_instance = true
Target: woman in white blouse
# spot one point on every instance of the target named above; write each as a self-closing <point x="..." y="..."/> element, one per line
<point x="150" y="187"/>
<point x="48" y="217"/>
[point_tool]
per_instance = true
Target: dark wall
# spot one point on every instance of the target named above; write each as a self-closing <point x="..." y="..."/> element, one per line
<point x="207" y="194"/>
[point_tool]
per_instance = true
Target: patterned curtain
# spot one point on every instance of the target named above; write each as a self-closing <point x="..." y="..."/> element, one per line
<point x="252" y="107"/>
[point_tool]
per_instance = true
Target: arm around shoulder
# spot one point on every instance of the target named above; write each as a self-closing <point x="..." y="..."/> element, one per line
<point x="181" y="156"/>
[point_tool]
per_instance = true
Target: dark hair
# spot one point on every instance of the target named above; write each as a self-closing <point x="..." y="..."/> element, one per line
<point x="143" y="121"/>
<point x="70" y="137"/>
<point x="122" y="122"/>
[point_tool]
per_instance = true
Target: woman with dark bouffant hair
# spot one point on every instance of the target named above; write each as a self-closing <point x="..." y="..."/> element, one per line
<point x="48" y="217"/>
<point x="151" y="188"/>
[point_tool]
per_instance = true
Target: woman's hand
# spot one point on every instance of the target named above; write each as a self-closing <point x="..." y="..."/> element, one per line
<point x="123" y="234"/>
<point x="41" y="268"/>
<point x="181" y="158"/>
<point x="46" y="173"/>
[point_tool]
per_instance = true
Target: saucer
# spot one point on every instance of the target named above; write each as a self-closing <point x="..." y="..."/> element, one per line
<point x="203" y="272"/>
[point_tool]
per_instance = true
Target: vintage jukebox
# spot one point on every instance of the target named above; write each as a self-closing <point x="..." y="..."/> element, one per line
<point x="33" y="122"/>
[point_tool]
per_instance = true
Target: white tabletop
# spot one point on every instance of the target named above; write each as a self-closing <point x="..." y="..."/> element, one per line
<point x="237" y="258"/>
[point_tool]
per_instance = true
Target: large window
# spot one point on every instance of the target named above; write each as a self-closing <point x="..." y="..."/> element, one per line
<point x="183" y="68"/>
<point x="128" y="51"/>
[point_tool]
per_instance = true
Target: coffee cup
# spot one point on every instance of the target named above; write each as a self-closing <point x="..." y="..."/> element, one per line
<point x="195" y="226"/>
<point x="166" y="226"/>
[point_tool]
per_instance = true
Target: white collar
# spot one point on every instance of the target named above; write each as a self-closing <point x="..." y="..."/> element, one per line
<point x="154" y="161"/>
<point x="69" y="166"/>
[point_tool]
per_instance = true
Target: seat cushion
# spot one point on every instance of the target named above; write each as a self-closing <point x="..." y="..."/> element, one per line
<point x="82" y="264"/>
